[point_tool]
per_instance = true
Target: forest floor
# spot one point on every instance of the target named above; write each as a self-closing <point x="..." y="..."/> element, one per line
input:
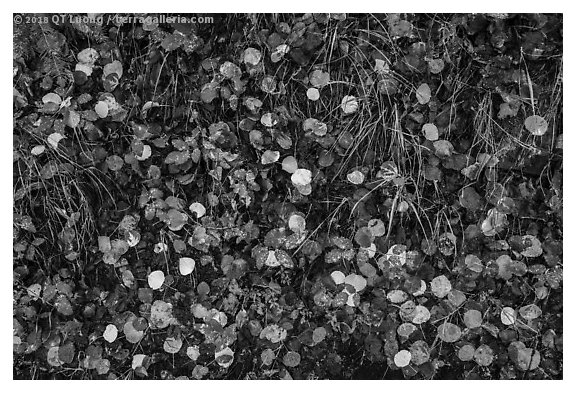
<point x="274" y="196"/>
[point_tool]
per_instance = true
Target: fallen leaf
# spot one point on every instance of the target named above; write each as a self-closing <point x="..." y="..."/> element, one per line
<point x="402" y="358"/>
<point x="349" y="104"/>
<point x="313" y="94"/>
<point x="186" y="265"/>
<point x="536" y="125"/>
<point x="111" y="333"/>
<point x="156" y="279"/>
<point x="197" y="208"/>
<point x="301" y="177"/>
<point x="423" y="94"/>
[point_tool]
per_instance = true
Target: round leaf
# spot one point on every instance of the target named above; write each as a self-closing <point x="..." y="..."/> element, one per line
<point x="313" y="94"/>
<point x="301" y="177"/>
<point x="484" y="355"/>
<point x="319" y="78"/>
<point x="508" y="316"/>
<point x="423" y="94"/>
<point x="349" y="104"/>
<point x="319" y="334"/>
<point x="357" y="281"/>
<point x="291" y="359"/>
<point x="355" y="177"/>
<point x="111" y="333"/>
<point x="198" y="208"/>
<point x="421" y="315"/>
<point x="338" y="277"/>
<point x="402" y="358"/>
<point x="252" y="56"/>
<point x="530" y="312"/>
<point x="473" y="319"/>
<point x="430" y="132"/>
<point x="536" y="125"/>
<point x="156" y="279"/>
<point x="297" y="223"/>
<point x="448" y="332"/>
<point x="172" y="345"/>
<point x="270" y="157"/>
<point x="466" y="353"/>
<point x="186" y="265"/>
<point x="441" y="286"/>
<point x="289" y="164"/>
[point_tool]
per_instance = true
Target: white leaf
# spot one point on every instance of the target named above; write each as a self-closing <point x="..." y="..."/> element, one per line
<point x="101" y="109"/>
<point x="402" y="358"/>
<point x="186" y="265"/>
<point x="441" y="286"/>
<point x="269" y="119"/>
<point x="279" y="53"/>
<point x="52" y="97"/>
<point x="37" y="150"/>
<point x="423" y="94"/>
<point x="252" y="56"/>
<point x="297" y="223"/>
<point x="85" y="68"/>
<point x="338" y="277"/>
<point x="421" y="314"/>
<point x="156" y="279"/>
<point x="313" y="94"/>
<point x="198" y="208"/>
<point x="316" y="126"/>
<point x="537" y="125"/>
<point x="88" y="56"/>
<point x="110" y="333"/>
<point x="301" y="177"/>
<point x="113" y="67"/>
<point x="508" y="316"/>
<point x="355" y="177"/>
<point x="160" y="247"/>
<point x="271" y="260"/>
<point x="193" y="352"/>
<point x="377" y="227"/>
<point x="270" y="157"/>
<point x="133" y="238"/>
<point x="289" y="164"/>
<point x="319" y="78"/>
<point x="357" y="281"/>
<point x="305" y="190"/>
<point x="172" y="345"/>
<point x="146" y="153"/>
<point x="443" y="148"/>
<point x="137" y="361"/>
<point x="349" y="104"/>
<point x="430" y="131"/>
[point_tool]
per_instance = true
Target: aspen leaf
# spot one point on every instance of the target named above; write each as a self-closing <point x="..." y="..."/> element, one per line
<point x="402" y="358"/>
<point x="536" y="125"/>
<point x="197" y="208"/>
<point x="355" y="177"/>
<point x="156" y="279"/>
<point x="423" y="94"/>
<point x="301" y="177"/>
<point x="270" y="157"/>
<point x="252" y="56"/>
<point x="349" y="104"/>
<point x="111" y="333"/>
<point x="313" y="94"/>
<point x="508" y="316"/>
<point x="289" y="164"/>
<point x="186" y="265"/>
